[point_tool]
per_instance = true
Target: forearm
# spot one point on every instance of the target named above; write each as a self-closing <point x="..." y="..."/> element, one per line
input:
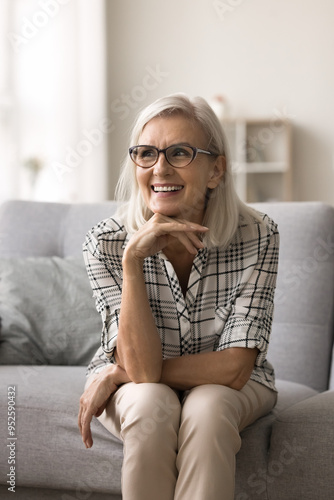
<point x="231" y="367"/>
<point x="138" y="342"/>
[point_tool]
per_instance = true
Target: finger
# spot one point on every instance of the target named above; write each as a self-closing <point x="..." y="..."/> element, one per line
<point x="192" y="235"/>
<point x="79" y="419"/>
<point x="101" y="409"/>
<point x="187" y="235"/>
<point x="86" y="431"/>
<point x="191" y="246"/>
<point x="167" y="227"/>
<point x="159" y="221"/>
<point x="193" y="226"/>
<point x="195" y="239"/>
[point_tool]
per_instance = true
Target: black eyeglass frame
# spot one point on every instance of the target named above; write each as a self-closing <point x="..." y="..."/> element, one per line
<point x="194" y="150"/>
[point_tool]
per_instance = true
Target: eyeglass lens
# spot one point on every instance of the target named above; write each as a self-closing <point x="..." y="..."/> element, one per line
<point x="177" y="156"/>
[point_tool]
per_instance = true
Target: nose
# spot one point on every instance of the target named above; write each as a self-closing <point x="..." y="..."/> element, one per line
<point x="162" y="167"/>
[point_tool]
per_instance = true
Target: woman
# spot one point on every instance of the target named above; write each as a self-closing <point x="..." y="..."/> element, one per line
<point x="184" y="279"/>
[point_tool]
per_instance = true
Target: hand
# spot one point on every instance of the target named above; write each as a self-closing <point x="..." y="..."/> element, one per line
<point x="156" y="234"/>
<point x="94" y="400"/>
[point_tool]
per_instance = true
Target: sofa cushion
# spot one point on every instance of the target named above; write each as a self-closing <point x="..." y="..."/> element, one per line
<point x="251" y="472"/>
<point x="47" y="312"/>
<point x="50" y="452"/>
<point x="301" y="459"/>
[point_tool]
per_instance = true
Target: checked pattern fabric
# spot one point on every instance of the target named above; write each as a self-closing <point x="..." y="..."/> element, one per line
<point x="228" y="303"/>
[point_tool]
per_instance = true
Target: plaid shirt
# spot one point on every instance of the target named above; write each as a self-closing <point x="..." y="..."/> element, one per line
<point x="228" y="303"/>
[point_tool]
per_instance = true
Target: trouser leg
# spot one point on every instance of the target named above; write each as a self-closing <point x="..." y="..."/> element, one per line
<point x="212" y="417"/>
<point x="146" y="417"/>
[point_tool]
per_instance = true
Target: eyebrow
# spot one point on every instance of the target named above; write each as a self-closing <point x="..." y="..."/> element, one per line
<point x="175" y="144"/>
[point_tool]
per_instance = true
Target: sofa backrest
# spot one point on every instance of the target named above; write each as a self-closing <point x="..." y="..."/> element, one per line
<point x="302" y="336"/>
<point x="38" y="229"/>
<point x="301" y="344"/>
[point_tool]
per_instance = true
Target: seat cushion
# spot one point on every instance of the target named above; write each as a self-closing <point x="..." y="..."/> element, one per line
<point x="78" y="493"/>
<point x="301" y="459"/>
<point x="251" y="474"/>
<point x="50" y="452"/>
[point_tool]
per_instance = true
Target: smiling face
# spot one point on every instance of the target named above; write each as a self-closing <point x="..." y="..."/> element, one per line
<point x="178" y="192"/>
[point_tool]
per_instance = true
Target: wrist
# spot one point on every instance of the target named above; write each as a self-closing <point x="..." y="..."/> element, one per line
<point x="132" y="265"/>
<point x="116" y="375"/>
<point x="109" y="374"/>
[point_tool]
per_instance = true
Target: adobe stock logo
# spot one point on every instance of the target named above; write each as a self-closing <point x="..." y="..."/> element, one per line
<point x="31" y="27"/>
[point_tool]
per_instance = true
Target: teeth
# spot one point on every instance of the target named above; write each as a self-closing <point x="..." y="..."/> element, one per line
<point x="166" y="188"/>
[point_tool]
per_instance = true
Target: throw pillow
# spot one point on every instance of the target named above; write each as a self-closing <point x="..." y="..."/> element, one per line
<point x="47" y="312"/>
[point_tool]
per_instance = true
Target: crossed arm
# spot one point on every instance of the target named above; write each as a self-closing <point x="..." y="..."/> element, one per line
<point x="231" y="367"/>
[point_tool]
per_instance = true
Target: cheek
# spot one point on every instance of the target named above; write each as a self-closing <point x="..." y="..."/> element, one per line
<point x="140" y="176"/>
<point x="196" y="195"/>
<point x="143" y="184"/>
<point x="201" y="185"/>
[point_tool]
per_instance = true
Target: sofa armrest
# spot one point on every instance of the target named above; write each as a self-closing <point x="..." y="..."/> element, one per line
<point x="301" y="456"/>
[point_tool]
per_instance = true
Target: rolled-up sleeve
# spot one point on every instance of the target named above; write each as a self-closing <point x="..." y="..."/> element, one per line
<point x="251" y="312"/>
<point x="102" y="255"/>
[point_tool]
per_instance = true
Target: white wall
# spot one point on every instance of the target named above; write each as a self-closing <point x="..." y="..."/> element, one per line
<point x="262" y="55"/>
<point x="53" y="100"/>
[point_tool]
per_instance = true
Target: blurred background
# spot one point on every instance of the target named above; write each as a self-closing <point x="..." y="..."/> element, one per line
<point x="74" y="74"/>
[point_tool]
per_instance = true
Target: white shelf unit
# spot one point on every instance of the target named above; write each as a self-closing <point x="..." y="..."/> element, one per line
<point x="260" y="152"/>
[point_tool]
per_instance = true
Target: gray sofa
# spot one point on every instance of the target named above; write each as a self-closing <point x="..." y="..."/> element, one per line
<point x="50" y="330"/>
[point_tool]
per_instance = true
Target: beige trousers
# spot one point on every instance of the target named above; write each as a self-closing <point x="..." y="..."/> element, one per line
<point x="182" y="447"/>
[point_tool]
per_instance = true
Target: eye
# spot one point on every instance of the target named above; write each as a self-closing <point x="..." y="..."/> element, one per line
<point x="144" y="153"/>
<point x="181" y="152"/>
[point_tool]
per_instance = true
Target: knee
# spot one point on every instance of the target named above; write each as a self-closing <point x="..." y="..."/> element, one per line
<point x="153" y="406"/>
<point x="210" y="410"/>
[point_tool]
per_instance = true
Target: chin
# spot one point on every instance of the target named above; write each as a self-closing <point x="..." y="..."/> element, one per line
<point x="167" y="213"/>
<point x="165" y="210"/>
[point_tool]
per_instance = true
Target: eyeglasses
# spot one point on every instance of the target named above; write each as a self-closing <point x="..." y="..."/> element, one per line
<point x="177" y="155"/>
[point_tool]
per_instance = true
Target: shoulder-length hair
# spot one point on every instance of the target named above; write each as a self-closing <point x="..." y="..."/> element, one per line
<point x="223" y="208"/>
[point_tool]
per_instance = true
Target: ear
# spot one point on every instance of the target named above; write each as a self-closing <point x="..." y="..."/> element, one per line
<point x="217" y="172"/>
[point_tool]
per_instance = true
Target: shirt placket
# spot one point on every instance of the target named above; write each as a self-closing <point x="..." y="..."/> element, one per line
<point x="184" y="304"/>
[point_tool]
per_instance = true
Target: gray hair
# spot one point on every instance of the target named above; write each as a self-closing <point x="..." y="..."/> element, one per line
<point x="223" y="209"/>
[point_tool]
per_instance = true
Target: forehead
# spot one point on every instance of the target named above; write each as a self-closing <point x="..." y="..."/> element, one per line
<point x="165" y="130"/>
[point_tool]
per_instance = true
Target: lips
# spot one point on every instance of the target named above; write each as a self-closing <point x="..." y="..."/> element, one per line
<point x="164" y="189"/>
